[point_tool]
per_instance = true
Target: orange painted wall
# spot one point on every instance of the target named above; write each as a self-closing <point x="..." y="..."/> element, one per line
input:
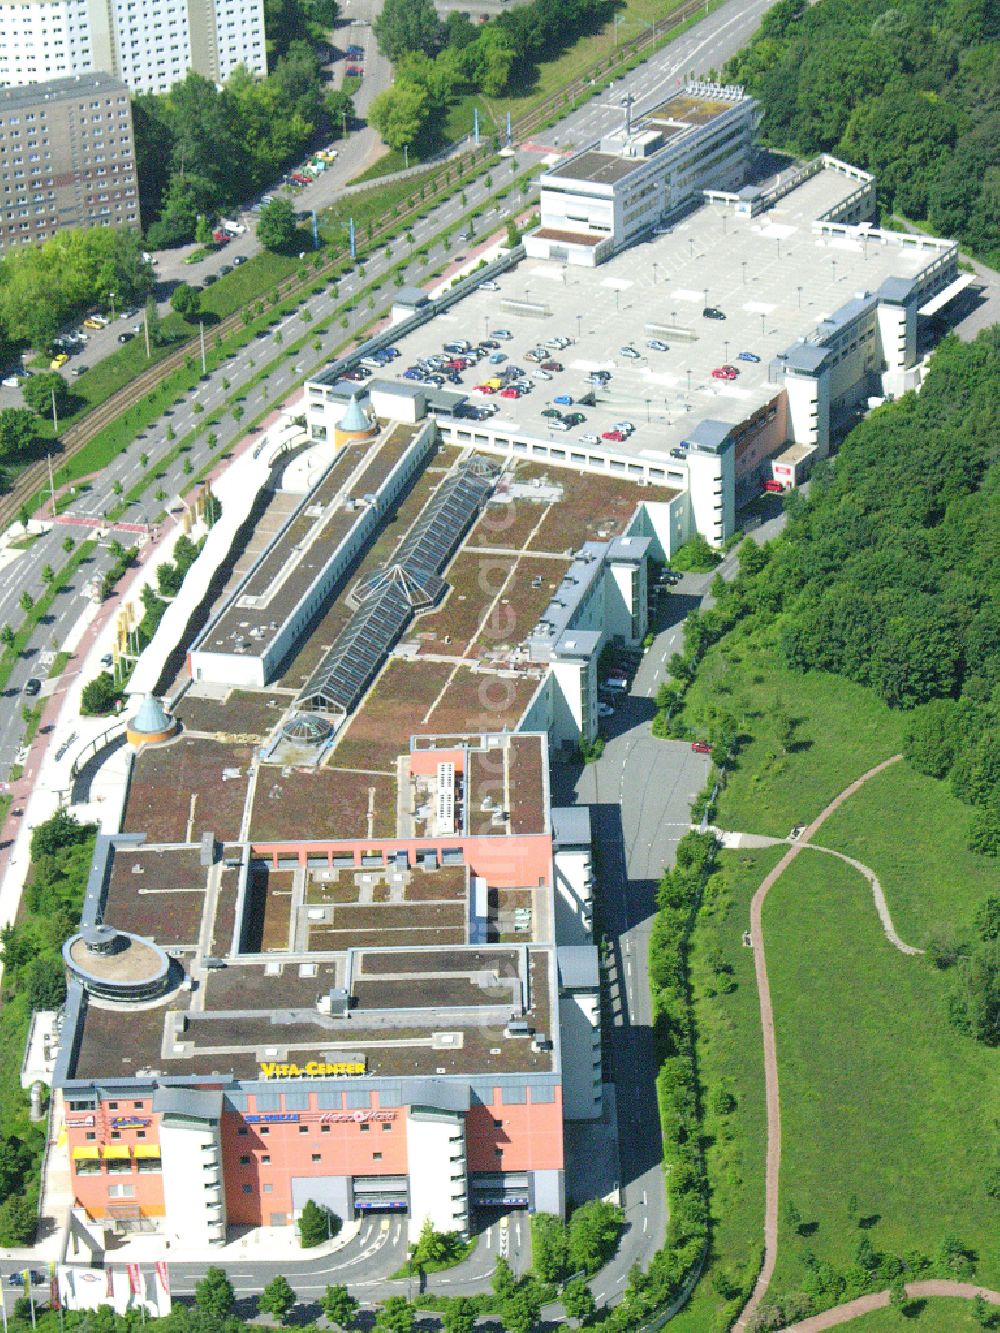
<point x="345" y="1149"/>
<point x="91" y="1191"/>
<point x="424" y="763"/>
<point x="531" y="1136"/>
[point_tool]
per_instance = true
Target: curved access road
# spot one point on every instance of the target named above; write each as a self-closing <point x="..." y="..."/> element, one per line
<point x="770" y="1048"/>
<point x="877" y="1300"/>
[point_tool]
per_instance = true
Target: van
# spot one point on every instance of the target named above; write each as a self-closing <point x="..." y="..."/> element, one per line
<point x="373" y="362"/>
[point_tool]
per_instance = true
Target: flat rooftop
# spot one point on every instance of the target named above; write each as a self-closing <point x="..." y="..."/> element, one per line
<point x="287" y="570"/>
<point x="598" y="168"/>
<point x="772" y="277"/>
<point x="60" y="90"/>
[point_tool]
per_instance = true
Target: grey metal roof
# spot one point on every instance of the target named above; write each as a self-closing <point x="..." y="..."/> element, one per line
<point x="411" y="296"/>
<point x="807" y="357"/>
<point x="709" y="434"/>
<point x="896" y="290"/>
<point x="578" y="969"/>
<point x="439" y="1094"/>
<point x="194" y="1105"/>
<point x="571" y="826"/>
<point x="578" y="643"/>
<point x="398" y="388"/>
<point x="629" y="548"/>
<point x="58" y="90"/>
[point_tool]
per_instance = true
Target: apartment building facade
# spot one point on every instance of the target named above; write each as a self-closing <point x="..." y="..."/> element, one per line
<point x="67" y="158"/>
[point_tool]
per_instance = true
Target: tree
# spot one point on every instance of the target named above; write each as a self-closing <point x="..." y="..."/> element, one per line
<point x="153" y="323"/>
<point x="504" y="1282"/>
<point x="578" y="1300"/>
<point x="214" y="1294"/>
<point x="593" y="1234"/>
<point x="99" y="696"/>
<point x="549" y="1247"/>
<point x="397" y="1315"/>
<point x="793" y="1218"/>
<point x="339" y="107"/>
<point x="339" y="1306"/>
<point x="459" y="1316"/>
<point x="276" y="225"/>
<point x="317" y="1222"/>
<point x="7" y="636"/>
<point x="26" y="601"/>
<point x="17" y="432"/>
<point x="399" y="114"/>
<point x="38" y="392"/>
<point x="277" y="1298"/>
<point x="17" y="1220"/>
<point x="407" y="25"/>
<point x="521" y="1309"/>
<point x="45" y="982"/>
<point x="186" y="300"/>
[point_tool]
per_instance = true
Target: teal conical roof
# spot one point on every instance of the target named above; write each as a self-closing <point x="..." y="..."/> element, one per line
<point x="354" y="418"/>
<point x="151" y="719"/>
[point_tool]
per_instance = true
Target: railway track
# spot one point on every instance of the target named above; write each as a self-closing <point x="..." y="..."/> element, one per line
<point x="32" y="479"/>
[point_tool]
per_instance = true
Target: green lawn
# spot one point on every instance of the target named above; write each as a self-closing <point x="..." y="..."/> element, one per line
<point x="929" y="875"/>
<point x="935" y="1316"/>
<point x="841" y="730"/>
<point x="881" y="1098"/>
<point x="730" y="1060"/>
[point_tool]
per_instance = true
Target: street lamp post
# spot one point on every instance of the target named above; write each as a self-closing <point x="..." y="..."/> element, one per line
<point x="725" y="344"/>
<point x="799" y="291"/>
<point x="743" y="264"/>
<point x="111" y="298"/>
<point x="654" y="272"/>
<point x="579" y="327"/>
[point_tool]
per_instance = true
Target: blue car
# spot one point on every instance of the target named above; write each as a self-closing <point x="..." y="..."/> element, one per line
<point x="748" y="356"/>
<point x="498" y="358"/>
<point x="390" y="352"/>
<point x="413" y="374"/>
<point x="564" y="400"/>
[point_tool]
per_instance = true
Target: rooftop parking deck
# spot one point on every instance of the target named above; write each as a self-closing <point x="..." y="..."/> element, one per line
<point x="771" y="276"/>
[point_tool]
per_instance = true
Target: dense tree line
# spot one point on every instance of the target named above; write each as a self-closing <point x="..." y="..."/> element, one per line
<point x="910" y="91"/>
<point x="436" y="59"/>
<point x="44" y="287"/>
<point x="33" y="978"/>
<point x="201" y="150"/>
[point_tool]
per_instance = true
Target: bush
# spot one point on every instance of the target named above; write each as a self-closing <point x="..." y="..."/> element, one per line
<point x="100" y="696"/>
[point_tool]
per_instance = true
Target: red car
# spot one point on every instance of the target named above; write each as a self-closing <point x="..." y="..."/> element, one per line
<point x="701" y="747"/>
<point x="723" y="373"/>
<point x="510" y="393"/>
<point x="485" y="388"/>
<point x="616" y="435"/>
<point x="551" y="365"/>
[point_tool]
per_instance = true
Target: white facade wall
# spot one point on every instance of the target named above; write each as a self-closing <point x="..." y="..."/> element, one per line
<point x="580" y="1035"/>
<point x="150" y="44"/>
<point x="193" y="1194"/>
<point x="574" y="896"/>
<point x="574" y="704"/>
<point x="712" y="493"/>
<point x="809" y="409"/>
<point x="435" y="1152"/>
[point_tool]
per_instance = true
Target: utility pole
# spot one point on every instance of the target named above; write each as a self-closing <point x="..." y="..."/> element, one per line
<point x="52" y="486"/>
<point x="55" y="418"/>
<point x="145" y="325"/>
<point x="201" y="335"/>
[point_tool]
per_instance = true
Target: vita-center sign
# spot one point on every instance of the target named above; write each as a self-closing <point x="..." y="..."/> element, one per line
<point x="314" y="1068"/>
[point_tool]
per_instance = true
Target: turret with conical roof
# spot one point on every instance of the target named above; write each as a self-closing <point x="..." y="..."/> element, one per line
<point x="151" y="723"/>
<point x="354" y="424"/>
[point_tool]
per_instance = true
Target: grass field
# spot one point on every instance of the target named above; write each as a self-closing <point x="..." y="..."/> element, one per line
<point x="880" y="1097"/>
<point x="730" y="1062"/>
<point x="934" y="1316"/>
<point x="930" y="877"/>
<point x="841" y="730"/>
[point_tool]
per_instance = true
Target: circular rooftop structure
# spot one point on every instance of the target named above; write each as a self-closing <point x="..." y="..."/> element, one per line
<point x="354" y="424"/>
<point x="307" y="728"/>
<point x="151" y="724"/>
<point x="117" y="965"/>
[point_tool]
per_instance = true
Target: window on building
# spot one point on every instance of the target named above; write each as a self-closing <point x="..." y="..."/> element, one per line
<point x="112" y="1106"/>
<point x="376" y="1157"/>
<point x="243" y="1131"/>
<point x="90" y="1136"/>
<point x="324" y="1129"/>
<point x="498" y="1124"/>
<point x="365" y="1128"/>
<point x="245" y="1160"/>
<point x="247" y="1189"/>
<point x="386" y="1128"/>
<point x="303" y="1129"/>
<point x="265" y="1159"/>
<point x="317" y="1157"/>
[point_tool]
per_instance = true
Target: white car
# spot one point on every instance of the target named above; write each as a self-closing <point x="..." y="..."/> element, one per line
<point x="656" y="345"/>
<point x="590" y="439"/>
<point x="489" y="286"/>
<point x="630" y="352"/>
<point x="542" y="374"/>
<point x="11" y="381"/>
<point x="626" y="426"/>
<point x="605" y="710"/>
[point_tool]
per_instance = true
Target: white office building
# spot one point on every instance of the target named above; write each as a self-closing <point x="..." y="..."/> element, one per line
<point x="639" y="176"/>
<point x="149" y="44"/>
